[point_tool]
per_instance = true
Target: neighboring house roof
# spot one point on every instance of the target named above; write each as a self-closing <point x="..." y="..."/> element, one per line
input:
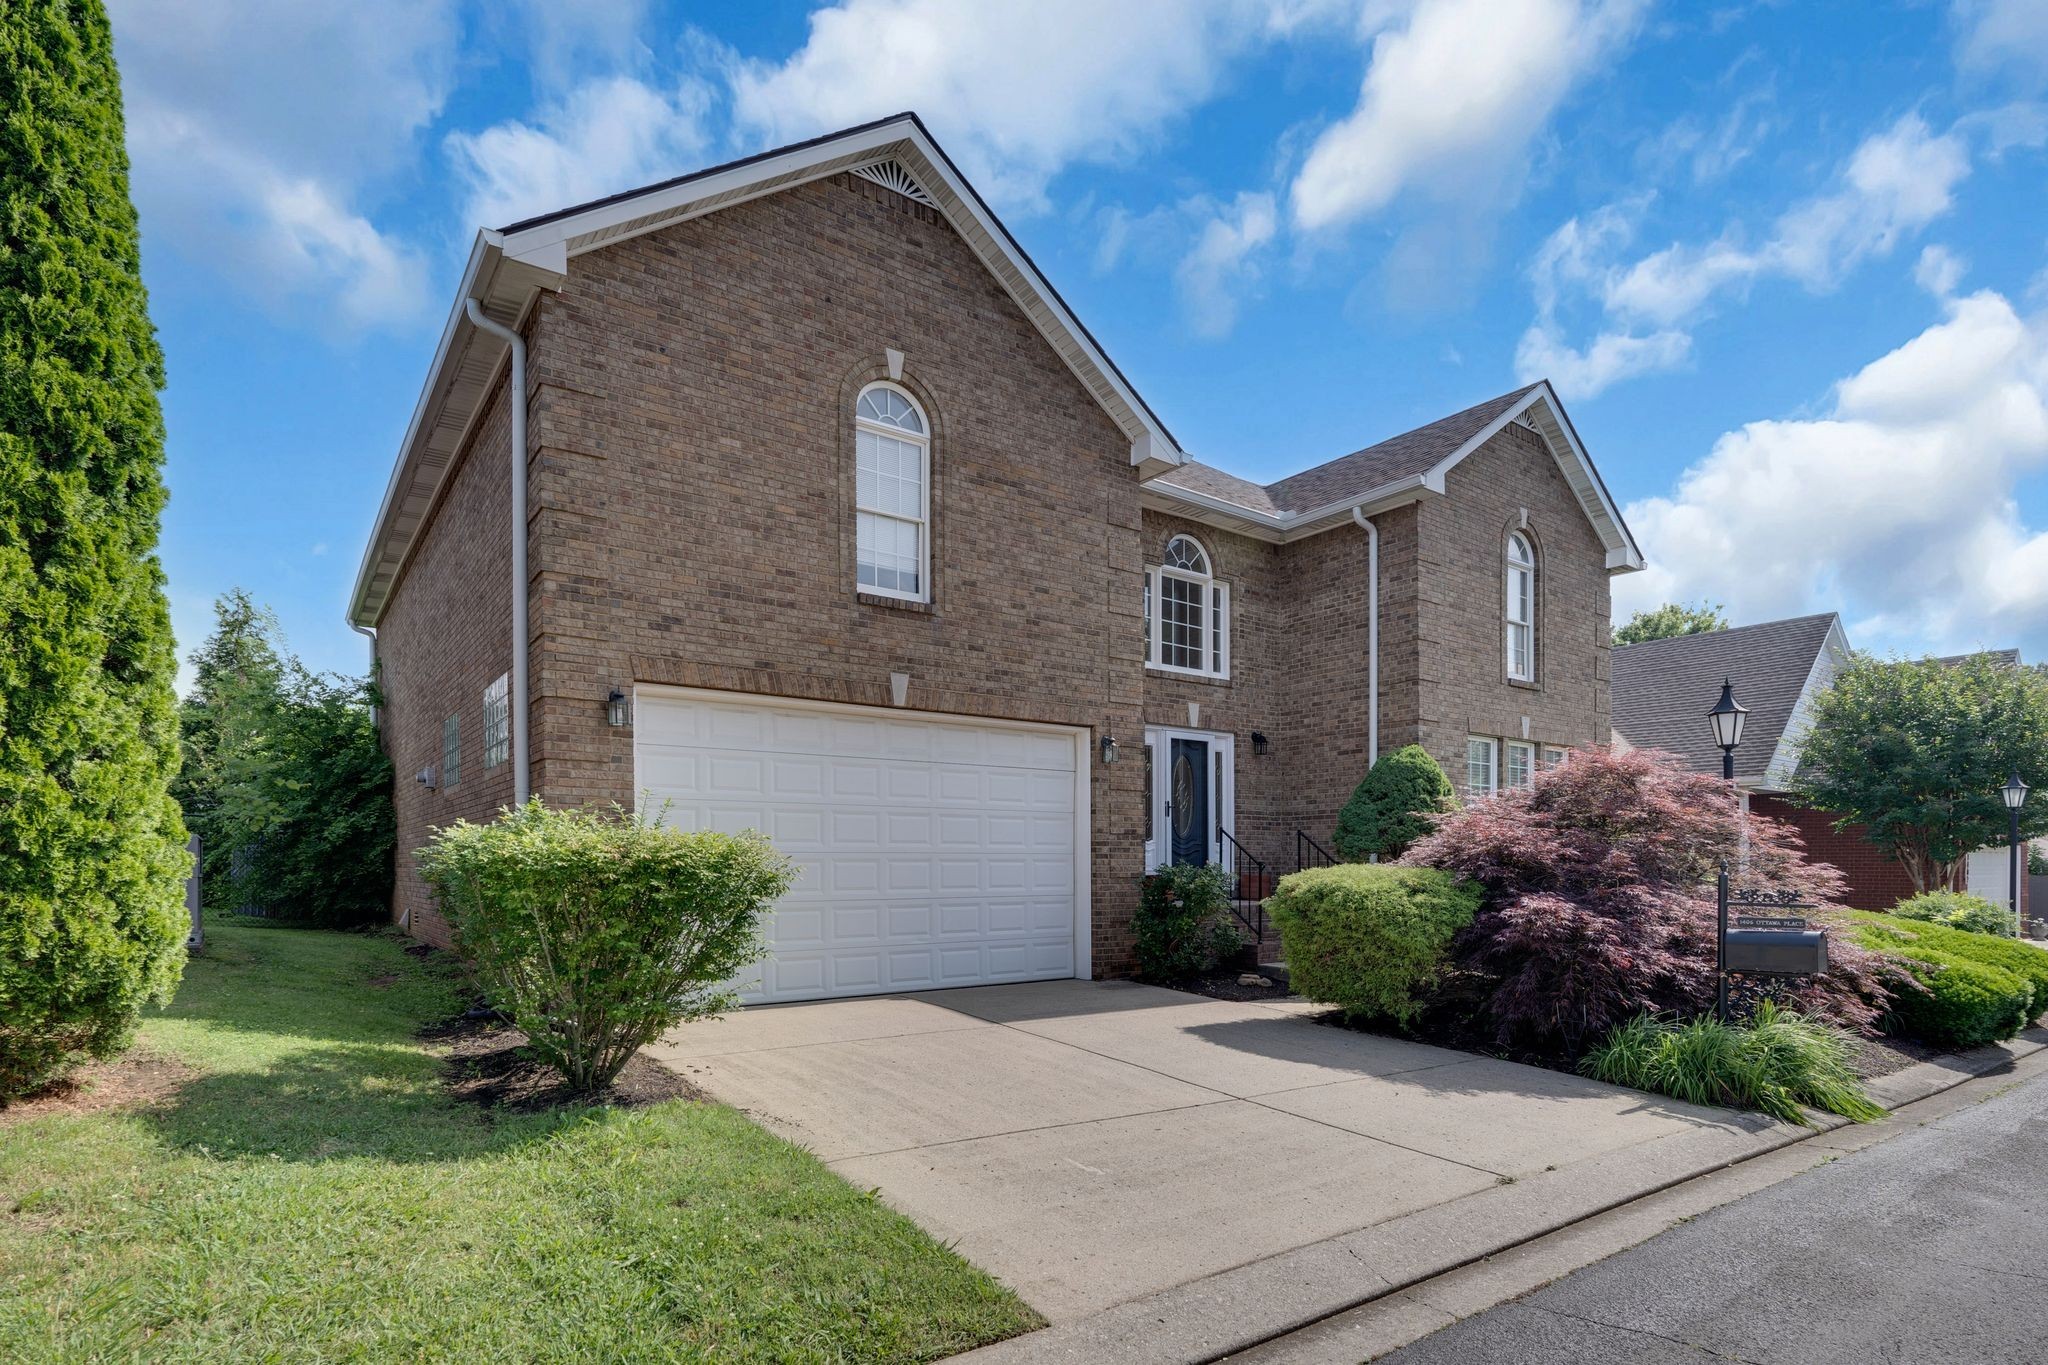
<point x="1397" y="470"/>
<point x="2003" y="658"/>
<point x="509" y="267"/>
<point x="1662" y="690"/>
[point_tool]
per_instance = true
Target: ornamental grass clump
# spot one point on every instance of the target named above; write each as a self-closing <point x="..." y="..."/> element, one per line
<point x="1779" y="1063"/>
<point x="597" y="932"/>
<point x="1597" y="886"/>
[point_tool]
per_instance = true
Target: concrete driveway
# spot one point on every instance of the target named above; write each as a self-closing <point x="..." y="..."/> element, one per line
<point x="1092" y="1142"/>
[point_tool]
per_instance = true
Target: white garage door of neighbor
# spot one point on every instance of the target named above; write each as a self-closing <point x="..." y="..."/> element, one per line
<point x="931" y="852"/>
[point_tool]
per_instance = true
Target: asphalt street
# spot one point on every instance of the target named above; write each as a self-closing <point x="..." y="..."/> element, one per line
<point x="1932" y="1247"/>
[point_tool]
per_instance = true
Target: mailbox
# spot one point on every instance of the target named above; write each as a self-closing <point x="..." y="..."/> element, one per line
<point x="1778" y="952"/>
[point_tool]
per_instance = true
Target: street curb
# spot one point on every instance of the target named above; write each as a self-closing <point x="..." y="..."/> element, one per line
<point x="1234" y="1310"/>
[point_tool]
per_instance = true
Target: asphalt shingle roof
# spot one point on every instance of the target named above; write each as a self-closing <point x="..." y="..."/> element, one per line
<point x="1663" y="689"/>
<point x="1399" y="457"/>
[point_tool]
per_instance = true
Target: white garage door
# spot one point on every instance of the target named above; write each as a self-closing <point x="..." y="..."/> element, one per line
<point x="931" y="852"/>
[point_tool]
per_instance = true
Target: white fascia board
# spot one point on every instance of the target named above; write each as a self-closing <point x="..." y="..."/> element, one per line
<point x="1834" y="652"/>
<point x="1152" y="447"/>
<point x="1280" y="527"/>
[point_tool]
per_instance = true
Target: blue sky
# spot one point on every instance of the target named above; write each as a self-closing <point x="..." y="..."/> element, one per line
<point x="1787" y="263"/>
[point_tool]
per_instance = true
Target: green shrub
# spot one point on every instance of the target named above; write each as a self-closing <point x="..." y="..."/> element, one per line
<point x="1956" y="910"/>
<point x="1775" y="1063"/>
<point x="1971" y="988"/>
<point x="1370" y="938"/>
<point x="92" y="851"/>
<point x="1391" y="805"/>
<point x="1184" y="926"/>
<point x="597" y="933"/>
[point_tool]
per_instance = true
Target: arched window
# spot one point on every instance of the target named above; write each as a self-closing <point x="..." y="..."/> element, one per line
<point x="1521" y="608"/>
<point x="1187" y="612"/>
<point x="892" y="493"/>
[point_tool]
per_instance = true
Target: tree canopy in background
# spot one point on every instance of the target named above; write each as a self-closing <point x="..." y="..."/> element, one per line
<point x="1669" y="621"/>
<point x="1917" y="751"/>
<point x="284" y="780"/>
<point x="92" y="851"/>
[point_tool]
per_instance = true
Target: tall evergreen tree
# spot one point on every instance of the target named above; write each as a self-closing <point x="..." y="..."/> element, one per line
<point x="92" y="852"/>
<point x="237" y="691"/>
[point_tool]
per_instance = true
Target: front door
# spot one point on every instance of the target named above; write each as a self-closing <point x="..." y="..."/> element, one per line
<point x="1188" y="808"/>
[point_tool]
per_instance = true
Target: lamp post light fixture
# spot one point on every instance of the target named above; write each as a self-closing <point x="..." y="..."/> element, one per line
<point x="1727" y="718"/>
<point x="2015" y="794"/>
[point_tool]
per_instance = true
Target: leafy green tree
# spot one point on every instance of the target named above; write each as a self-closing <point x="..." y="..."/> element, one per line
<point x="1389" y="808"/>
<point x="1917" y="752"/>
<point x="237" y="689"/>
<point x="284" y="777"/>
<point x="1670" y="621"/>
<point x="92" y="850"/>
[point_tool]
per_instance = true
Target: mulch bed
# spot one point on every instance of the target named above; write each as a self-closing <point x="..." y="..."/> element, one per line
<point x="137" y="1078"/>
<point x="1225" y="986"/>
<point x="488" y="1065"/>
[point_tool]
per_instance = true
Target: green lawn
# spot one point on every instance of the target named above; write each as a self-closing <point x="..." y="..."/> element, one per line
<point x="311" y="1194"/>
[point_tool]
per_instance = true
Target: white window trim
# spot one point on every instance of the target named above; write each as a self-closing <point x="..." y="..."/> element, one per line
<point x="1508" y="567"/>
<point x="1215" y="605"/>
<point x="1528" y="752"/>
<point x="1546" y="762"/>
<point x="924" y="502"/>
<point x="1492" y="764"/>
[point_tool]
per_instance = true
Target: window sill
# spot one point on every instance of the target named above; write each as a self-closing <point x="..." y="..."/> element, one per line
<point x="1526" y="684"/>
<point x="1190" y="674"/>
<point x="876" y="599"/>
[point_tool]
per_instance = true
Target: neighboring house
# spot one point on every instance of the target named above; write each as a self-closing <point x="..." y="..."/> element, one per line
<point x="837" y="524"/>
<point x="1663" y="690"/>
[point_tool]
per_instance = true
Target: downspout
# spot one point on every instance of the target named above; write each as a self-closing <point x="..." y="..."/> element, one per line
<point x="522" y="772"/>
<point x="1372" y="635"/>
<point x="369" y="633"/>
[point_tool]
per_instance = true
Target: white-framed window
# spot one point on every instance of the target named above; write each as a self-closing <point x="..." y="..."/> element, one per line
<point x="498" y="721"/>
<point x="1554" y="756"/>
<point x="1187" y="613"/>
<point x="451" y="752"/>
<point x="1521" y="608"/>
<point x="1482" y="757"/>
<point x="892" y="449"/>
<point x="1520" y="769"/>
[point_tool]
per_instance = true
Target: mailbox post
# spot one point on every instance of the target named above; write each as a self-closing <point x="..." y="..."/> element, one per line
<point x="1779" y="943"/>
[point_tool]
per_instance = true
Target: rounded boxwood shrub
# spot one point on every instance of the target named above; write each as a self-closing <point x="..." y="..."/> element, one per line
<point x="1956" y="910"/>
<point x="1183" y="927"/>
<point x="1391" y="806"/>
<point x="598" y="932"/>
<point x="1370" y="938"/>
<point x="2024" y="960"/>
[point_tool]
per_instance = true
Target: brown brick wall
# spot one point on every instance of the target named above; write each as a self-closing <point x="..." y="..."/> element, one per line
<point x="445" y="636"/>
<point x="1874" y="880"/>
<point x="694" y="496"/>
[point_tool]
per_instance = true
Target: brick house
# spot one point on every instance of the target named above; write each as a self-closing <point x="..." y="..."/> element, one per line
<point x="1663" y="689"/>
<point x="837" y="524"/>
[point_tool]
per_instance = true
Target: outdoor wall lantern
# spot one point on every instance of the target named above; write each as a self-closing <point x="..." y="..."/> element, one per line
<point x="1109" y="748"/>
<point x="1726" y="718"/>
<point x="1258" y="743"/>
<point x="615" y="712"/>
<point x="2015" y="794"/>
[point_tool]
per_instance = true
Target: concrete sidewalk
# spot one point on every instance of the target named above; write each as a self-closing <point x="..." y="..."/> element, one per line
<point x="1096" y="1144"/>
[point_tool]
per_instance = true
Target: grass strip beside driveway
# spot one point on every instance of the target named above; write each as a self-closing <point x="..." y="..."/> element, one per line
<point x="311" y="1192"/>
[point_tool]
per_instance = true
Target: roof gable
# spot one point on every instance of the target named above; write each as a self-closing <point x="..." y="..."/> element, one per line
<point x="1400" y="469"/>
<point x="509" y="267"/>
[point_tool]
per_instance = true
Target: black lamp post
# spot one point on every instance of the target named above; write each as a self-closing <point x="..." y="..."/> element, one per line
<point x="2015" y="794"/>
<point x="1726" y="718"/>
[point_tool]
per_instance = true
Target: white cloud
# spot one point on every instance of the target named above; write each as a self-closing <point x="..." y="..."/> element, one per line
<point x="2002" y="34"/>
<point x="606" y="135"/>
<point x="257" y="131"/>
<point x="1939" y="271"/>
<point x="1896" y="506"/>
<point x="1895" y="183"/>
<point x="1016" y="92"/>
<point x="1454" y="93"/>
<point x="1221" y="269"/>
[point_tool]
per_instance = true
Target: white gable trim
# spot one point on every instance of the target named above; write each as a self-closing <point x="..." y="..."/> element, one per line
<point x="1784" y="765"/>
<point x="507" y="270"/>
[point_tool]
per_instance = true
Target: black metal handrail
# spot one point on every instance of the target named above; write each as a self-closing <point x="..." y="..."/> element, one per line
<point x="1309" y="853"/>
<point x="1245" y="869"/>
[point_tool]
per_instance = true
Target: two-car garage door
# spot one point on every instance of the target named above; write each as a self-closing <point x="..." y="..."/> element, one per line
<point x="931" y="851"/>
